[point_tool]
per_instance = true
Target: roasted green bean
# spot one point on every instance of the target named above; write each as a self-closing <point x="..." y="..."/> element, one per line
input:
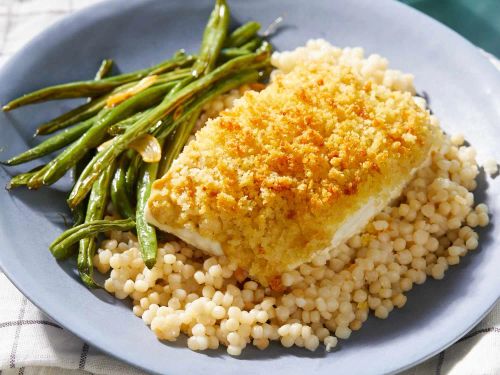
<point x="96" y="88"/>
<point x="22" y="179"/>
<point x="232" y="52"/>
<point x="132" y="172"/>
<point x="90" y="109"/>
<point x="121" y="126"/>
<point x="56" y="168"/>
<point x="146" y="233"/>
<point x="119" y="195"/>
<point x="52" y="144"/>
<point x="79" y="211"/>
<point x="60" y="246"/>
<point x="104" y="69"/>
<point x="176" y="141"/>
<point x="96" y="208"/>
<point x="213" y="39"/>
<point x="242" y="34"/>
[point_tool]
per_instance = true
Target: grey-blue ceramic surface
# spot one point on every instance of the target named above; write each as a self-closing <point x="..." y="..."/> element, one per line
<point x="464" y="90"/>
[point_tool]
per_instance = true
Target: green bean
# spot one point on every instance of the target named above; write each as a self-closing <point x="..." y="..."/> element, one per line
<point x="71" y="236"/>
<point x="96" y="208"/>
<point x="177" y="74"/>
<point x="132" y="171"/>
<point x="176" y="141"/>
<point x="119" y="195"/>
<point x="52" y="144"/>
<point x="146" y="233"/>
<point x="120" y="143"/>
<point x="64" y="138"/>
<point x="87" y="246"/>
<point x="102" y="72"/>
<point x="90" y="109"/>
<point x="253" y="44"/>
<point x="168" y="110"/>
<point x="98" y="197"/>
<point x="95" y="88"/>
<point x="122" y="125"/>
<point x="81" y="113"/>
<point x="265" y="47"/>
<point x="242" y="34"/>
<point x="85" y="261"/>
<point x="78" y="212"/>
<point x="104" y="69"/>
<point x="56" y="168"/>
<point x="22" y="179"/>
<point x="213" y="38"/>
<point x="74" y="116"/>
<point x="232" y="52"/>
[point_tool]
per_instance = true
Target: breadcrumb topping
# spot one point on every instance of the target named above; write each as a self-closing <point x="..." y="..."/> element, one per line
<point x="274" y="177"/>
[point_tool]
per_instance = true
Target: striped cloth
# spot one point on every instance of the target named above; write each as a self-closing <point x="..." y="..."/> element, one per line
<point x="31" y="343"/>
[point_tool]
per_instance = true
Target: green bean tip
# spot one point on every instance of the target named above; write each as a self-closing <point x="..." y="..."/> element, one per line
<point x="150" y="262"/>
<point x="89" y="281"/>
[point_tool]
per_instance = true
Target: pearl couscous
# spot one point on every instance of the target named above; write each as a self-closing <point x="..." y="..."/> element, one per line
<point x="429" y="228"/>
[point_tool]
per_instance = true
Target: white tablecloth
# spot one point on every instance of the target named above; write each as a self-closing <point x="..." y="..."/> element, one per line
<point x="31" y="343"/>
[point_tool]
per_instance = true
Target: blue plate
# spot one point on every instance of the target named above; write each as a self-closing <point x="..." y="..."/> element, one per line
<point x="464" y="90"/>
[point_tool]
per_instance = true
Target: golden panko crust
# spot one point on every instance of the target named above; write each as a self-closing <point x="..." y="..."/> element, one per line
<point x="274" y="177"/>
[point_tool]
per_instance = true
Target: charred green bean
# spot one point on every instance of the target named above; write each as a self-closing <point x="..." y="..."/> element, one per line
<point x="119" y="195"/>
<point x="96" y="88"/>
<point x="242" y="34"/>
<point x="52" y="144"/>
<point x="71" y="236"/>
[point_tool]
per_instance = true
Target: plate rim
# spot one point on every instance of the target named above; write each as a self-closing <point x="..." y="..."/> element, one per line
<point x="115" y="6"/>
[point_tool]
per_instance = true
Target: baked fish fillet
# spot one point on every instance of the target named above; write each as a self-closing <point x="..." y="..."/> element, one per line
<point x="294" y="170"/>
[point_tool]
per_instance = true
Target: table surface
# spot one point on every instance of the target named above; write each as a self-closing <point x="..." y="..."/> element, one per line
<point x="476" y="20"/>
